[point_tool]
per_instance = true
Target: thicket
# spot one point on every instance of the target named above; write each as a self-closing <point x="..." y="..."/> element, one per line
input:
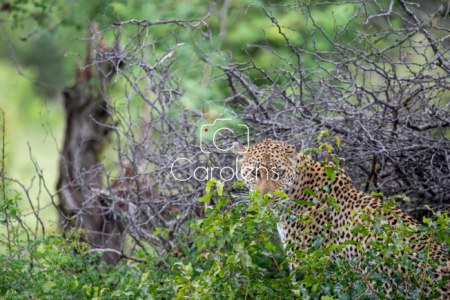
<point x="234" y="253"/>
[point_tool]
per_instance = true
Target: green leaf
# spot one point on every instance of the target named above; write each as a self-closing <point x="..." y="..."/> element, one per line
<point x="309" y="191"/>
<point x="188" y="268"/>
<point x="301" y="202"/>
<point x="338" y="140"/>
<point x="330" y="248"/>
<point x="330" y="173"/>
<point x="378" y="194"/>
<point x="206" y="197"/>
<point x="297" y="293"/>
<point x="309" y="149"/>
<point x="279" y="193"/>
<point x="246" y="259"/>
<point x="315" y="288"/>
<point x="349" y="242"/>
<point x="222" y="202"/>
<point x="232" y="259"/>
<point x="209" y="185"/>
<point x="220" y="186"/>
<point x="309" y="280"/>
<point x="322" y="133"/>
<point x="331" y="201"/>
<point x="336" y="160"/>
<point x="88" y="289"/>
<point x="403" y="197"/>
<point x="292" y="218"/>
<point x="239" y="184"/>
<point x="447" y="239"/>
<point x="318" y="242"/>
<point x="75" y="283"/>
<point x="268" y="245"/>
<point x="117" y="293"/>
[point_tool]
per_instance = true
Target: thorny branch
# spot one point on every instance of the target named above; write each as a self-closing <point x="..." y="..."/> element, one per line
<point x="383" y="89"/>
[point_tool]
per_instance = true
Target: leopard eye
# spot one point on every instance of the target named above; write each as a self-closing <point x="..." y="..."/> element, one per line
<point x="278" y="174"/>
<point x="256" y="173"/>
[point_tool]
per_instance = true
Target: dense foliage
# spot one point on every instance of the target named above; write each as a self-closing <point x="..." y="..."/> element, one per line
<point x="235" y="253"/>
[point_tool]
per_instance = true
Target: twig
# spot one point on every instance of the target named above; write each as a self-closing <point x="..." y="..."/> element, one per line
<point x="121" y="254"/>
<point x="3" y="177"/>
<point x="365" y="280"/>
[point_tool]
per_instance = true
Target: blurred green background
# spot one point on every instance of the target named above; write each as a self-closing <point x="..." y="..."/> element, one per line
<point x="38" y="57"/>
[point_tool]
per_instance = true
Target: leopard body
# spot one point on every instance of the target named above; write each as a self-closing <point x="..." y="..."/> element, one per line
<point x="272" y="165"/>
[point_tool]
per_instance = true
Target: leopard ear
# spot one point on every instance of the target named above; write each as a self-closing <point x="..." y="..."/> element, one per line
<point x="292" y="151"/>
<point x="241" y="152"/>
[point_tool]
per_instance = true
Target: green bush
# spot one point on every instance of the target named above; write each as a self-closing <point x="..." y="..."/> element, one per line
<point x="234" y="254"/>
<point x="49" y="268"/>
<point x="239" y="260"/>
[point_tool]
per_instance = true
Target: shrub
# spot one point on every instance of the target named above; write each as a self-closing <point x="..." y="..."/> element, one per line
<point x="234" y="254"/>
<point x="238" y="259"/>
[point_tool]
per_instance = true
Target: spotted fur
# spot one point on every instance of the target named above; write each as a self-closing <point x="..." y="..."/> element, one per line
<point x="273" y="165"/>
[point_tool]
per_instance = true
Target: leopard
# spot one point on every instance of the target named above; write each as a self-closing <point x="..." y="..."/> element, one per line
<point x="272" y="165"/>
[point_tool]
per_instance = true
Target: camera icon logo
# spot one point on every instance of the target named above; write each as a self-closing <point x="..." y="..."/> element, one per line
<point x="218" y="126"/>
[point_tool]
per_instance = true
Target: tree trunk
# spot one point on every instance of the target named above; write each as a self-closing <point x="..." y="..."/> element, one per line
<point x="79" y="171"/>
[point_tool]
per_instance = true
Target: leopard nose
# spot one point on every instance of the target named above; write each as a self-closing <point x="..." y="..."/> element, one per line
<point x="266" y="188"/>
<point x="265" y="184"/>
<point x="264" y="191"/>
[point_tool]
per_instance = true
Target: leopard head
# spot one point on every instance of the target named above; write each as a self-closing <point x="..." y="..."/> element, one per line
<point x="268" y="166"/>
